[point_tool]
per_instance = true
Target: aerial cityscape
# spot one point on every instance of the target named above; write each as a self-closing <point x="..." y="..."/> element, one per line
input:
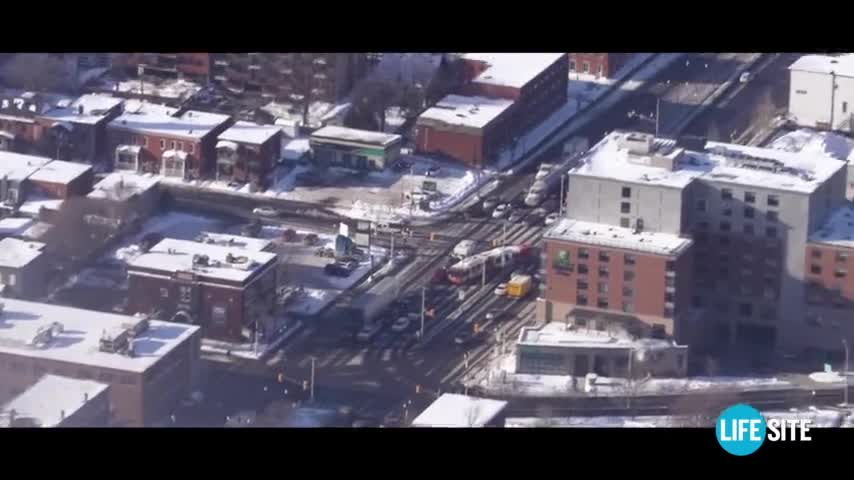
<point x="389" y="240"/>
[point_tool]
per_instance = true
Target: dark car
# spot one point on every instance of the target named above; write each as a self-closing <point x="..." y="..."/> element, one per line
<point x="490" y="203"/>
<point x="433" y="171"/>
<point x="469" y="337"/>
<point x="550" y="205"/>
<point x="349" y="264"/>
<point x="251" y="229"/>
<point x="335" y="270"/>
<point x="534" y="219"/>
<point x="440" y="276"/>
<point x="310" y="240"/>
<point x="516" y="215"/>
<point x="149" y="240"/>
<point x="518" y="201"/>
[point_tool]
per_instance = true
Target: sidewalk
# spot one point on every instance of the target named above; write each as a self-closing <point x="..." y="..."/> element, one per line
<point x="248" y="351"/>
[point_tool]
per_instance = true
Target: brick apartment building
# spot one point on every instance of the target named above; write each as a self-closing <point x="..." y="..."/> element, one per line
<point x="196" y="66"/>
<point x="149" y="138"/>
<point x="21" y="125"/>
<point x="248" y="152"/>
<point x="228" y="290"/>
<point x="15" y="169"/>
<point x="59" y="402"/>
<point x="149" y="365"/>
<point x="599" y="64"/>
<point x="62" y="180"/>
<point x="750" y="213"/>
<point x="505" y="94"/>
<point x="79" y="129"/>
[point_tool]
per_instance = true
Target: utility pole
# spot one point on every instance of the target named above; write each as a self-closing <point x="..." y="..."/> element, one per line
<point x="503" y="241"/>
<point x="312" y="379"/>
<point x="845" y="397"/>
<point x="630" y="380"/>
<point x="563" y="179"/>
<point x="255" y="346"/>
<point x="423" y="306"/>
<point x="391" y="257"/>
<point x="483" y="275"/>
<point x="657" y="114"/>
<point x="832" y="96"/>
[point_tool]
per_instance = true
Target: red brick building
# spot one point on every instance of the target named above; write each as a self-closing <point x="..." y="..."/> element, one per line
<point x="226" y="289"/>
<point x="599" y="64"/>
<point x="192" y="65"/>
<point x="21" y="125"/>
<point x="62" y="180"/>
<point x="152" y="138"/>
<point x="248" y="152"/>
<point x="614" y="269"/>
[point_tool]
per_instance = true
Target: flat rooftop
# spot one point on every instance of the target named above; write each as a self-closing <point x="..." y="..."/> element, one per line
<point x="236" y="241"/>
<point x="838" y="230"/>
<point x="157" y="120"/>
<point x="172" y="256"/>
<point x="345" y="134"/>
<point x="556" y="334"/>
<point x="17" y="166"/>
<point x="609" y="236"/>
<point x="475" y="112"/>
<point x="717" y="162"/>
<point x="52" y="397"/>
<point x="123" y="185"/>
<point x="59" y="171"/>
<point x="248" y="132"/>
<point x="842" y="65"/>
<point x="87" y="109"/>
<point x="79" y="341"/>
<point x="512" y="69"/>
<point x="15" y="253"/>
<point x="452" y="410"/>
<point x="15" y="226"/>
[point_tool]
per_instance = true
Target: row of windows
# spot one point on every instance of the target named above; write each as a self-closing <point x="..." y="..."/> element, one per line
<point x="748" y="212"/>
<point x="838" y="256"/>
<point x="766" y="312"/>
<point x="564" y="257"/>
<point x="585" y="68"/>
<point x="838" y="272"/>
<point x="38" y="370"/>
<point x="747" y="228"/>
<point x="173" y="145"/>
<point x="750" y="197"/>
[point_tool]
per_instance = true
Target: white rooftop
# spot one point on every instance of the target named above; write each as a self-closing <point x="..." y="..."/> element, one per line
<point x="355" y="135"/>
<point x="15" y="253"/>
<point x="513" y="69"/>
<point x="236" y="241"/>
<point x="17" y="166"/>
<point x="35" y="203"/>
<point x="94" y="107"/>
<point x="159" y="120"/>
<point x="171" y="255"/>
<point x="59" y="171"/>
<point x="556" y="334"/>
<point x="474" y="112"/>
<point x="79" y="340"/>
<point x="248" y="132"/>
<point x="609" y="236"/>
<point x="838" y="230"/>
<point x="842" y="64"/>
<point x="719" y="162"/>
<point x="122" y="185"/>
<point x="452" y="410"/>
<point x="14" y="226"/>
<point x="52" y="397"/>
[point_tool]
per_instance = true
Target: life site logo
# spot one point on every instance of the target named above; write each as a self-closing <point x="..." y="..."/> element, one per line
<point x="741" y="430"/>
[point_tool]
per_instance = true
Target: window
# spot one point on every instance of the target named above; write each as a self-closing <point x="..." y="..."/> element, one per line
<point x="726" y="194"/>
<point x="628" y="307"/>
<point x="583" y="254"/>
<point x="581" y="322"/>
<point x="602" y="287"/>
<point x="815" y="269"/>
<point x="581" y="299"/>
<point x="727" y="212"/>
<point x="745" y="309"/>
<point x="749" y="197"/>
<point x="162" y="144"/>
<point x="724" y="241"/>
<point x="164" y="292"/>
<point x="841" y="257"/>
<point x="585" y="67"/>
<point x="629" y="259"/>
<point x="668" y="312"/>
<point x="701" y="205"/>
<point x="670" y="266"/>
<point x="218" y="314"/>
<point x="725" y="226"/>
<point x="84" y="373"/>
<point x="581" y="285"/>
<point x="772" y="216"/>
<point x="582" y="269"/>
<point x="628" y="276"/>
<point x="105" y="377"/>
<point x="840" y="273"/>
<point x="180" y="146"/>
<point x="601" y="71"/>
<point x="604" y="256"/>
<point x="186" y="294"/>
<point x="801" y="92"/>
<point x="11" y="278"/>
<point x="192" y="148"/>
<point x="669" y="297"/>
<point x="127" y="380"/>
<point x="844" y="107"/>
<point x="773" y="201"/>
<point x="562" y="261"/>
<point x="628" y="292"/>
<point x="145" y="142"/>
<point x="748" y="229"/>
<point x="627" y="192"/>
<point x="624" y="222"/>
<point x="625" y="207"/>
<point x="602" y="303"/>
<point x="702" y="225"/>
<point x="572" y="65"/>
<point x="771" y="232"/>
<point x="172" y="145"/>
<point x="669" y="282"/>
<point x="603" y="271"/>
<point x="749" y="212"/>
<point x="815" y="253"/>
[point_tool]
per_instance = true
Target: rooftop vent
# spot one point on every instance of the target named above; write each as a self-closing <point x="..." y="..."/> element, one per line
<point x="201" y="260"/>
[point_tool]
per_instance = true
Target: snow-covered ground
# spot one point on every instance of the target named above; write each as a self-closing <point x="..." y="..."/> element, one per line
<point x="805" y="140"/>
<point x="319" y="113"/>
<point x="394" y="119"/>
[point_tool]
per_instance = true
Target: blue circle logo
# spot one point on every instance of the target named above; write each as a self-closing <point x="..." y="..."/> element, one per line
<point x="740" y="429"/>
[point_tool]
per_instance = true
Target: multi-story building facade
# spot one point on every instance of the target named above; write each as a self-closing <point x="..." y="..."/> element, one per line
<point x="191" y="65"/>
<point x="749" y="211"/>
<point x="79" y="130"/>
<point x="229" y="289"/>
<point x="59" y="402"/>
<point x="149" y="365"/>
<point x="150" y="138"/>
<point x="21" y="125"/>
<point x="248" y="153"/>
<point x="599" y="64"/>
<point x="821" y="92"/>
<point x="23" y="268"/>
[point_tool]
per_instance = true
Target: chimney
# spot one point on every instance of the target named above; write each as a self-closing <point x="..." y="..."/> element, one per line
<point x="80" y="109"/>
<point x="85" y="397"/>
<point x="62" y="414"/>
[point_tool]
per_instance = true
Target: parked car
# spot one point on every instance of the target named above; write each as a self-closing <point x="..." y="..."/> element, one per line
<point x="501" y="289"/>
<point x="516" y="215"/>
<point x="501" y="211"/>
<point x="368" y="332"/>
<point x="400" y="325"/>
<point x="468" y="337"/>
<point x="266" y="212"/>
<point x="402" y="165"/>
<point x="325" y="252"/>
<point x="252" y="229"/>
<point x="440" y="276"/>
<point x="289" y="235"/>
<point x="490" y="203"/>
<point x="310" y="240"/>
<point x="494" y="314"/>
<point x="518" y="201"/>
<point x="349" y="264"/>
<point x="550" y="205"/>
<point x="433" y="171"/>
<point x="551" y="218"/>
<point x="336" y="270"/>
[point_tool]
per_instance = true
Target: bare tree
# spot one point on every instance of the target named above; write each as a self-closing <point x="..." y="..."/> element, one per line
<point x="371" y="100"/>
<point x="36" y="71"/>
<point x="713" y="133"/>
<point x="763" y="112"/>
<point x="448" y="77"/>
<point x="307" y="77"/>
<point x="83" y="224"/>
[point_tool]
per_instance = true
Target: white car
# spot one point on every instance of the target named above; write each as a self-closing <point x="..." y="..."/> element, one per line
<point x="501" y="289"/>
<point x="266" y="211"/>
<point x="400" y="325"/>
<point x="501" y="211"/>
<point x="551" y="218"/>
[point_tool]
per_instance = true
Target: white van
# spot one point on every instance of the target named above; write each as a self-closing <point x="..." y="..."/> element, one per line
<point x="465" y="248"/>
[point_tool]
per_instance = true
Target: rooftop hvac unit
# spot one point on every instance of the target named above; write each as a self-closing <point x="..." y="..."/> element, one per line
<point x="139" y="327"/>
<point x="201" y="260"/>
<point x="114" y="342"/>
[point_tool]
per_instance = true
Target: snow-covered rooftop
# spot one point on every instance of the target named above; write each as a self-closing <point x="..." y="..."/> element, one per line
<point x="610" y="236"/>
<point x="841" y="64"/>
<point x="52" y="399"/>
<point x="513" y="69"/>
<point x="296" y="148"/>
<point x="81" y="334"/>
<point x="171" y="255"/>
<point x="94" y="108"/>
<point x="59" y="171"/>
<point x="345" y="134"/>
<point x="17" y="167"/>
<point x="248" y="132"/>
<point x="236" y="241"/>
<point x="14" y="226"/>
<point x="35" y="203"/>
<point x="16" y="253"/>
<point x="557" y="334"/>
<point x="475" y="112"/>
<point x="640" y="421"/>
<point x="838" y="230"/>
<point x="122" y="185"/>
<point x="156" y="119"/>
<point x="809" y="141"/>
<point x="452" y="410"/>
<point x="717" y="162"/>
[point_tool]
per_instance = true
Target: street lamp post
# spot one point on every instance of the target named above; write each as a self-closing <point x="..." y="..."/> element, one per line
<point x="423" y="306"/>
<point x="845" y="395"/>
<point x="311" y="394"/>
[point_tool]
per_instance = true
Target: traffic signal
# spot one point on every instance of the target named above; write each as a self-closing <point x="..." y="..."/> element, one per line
<point x="476" y="327"/>
<point x="417" y="388"/>
<point x="431" y="313"/>
<point x="305" y="384"/>
<point x="281" y="378"/>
